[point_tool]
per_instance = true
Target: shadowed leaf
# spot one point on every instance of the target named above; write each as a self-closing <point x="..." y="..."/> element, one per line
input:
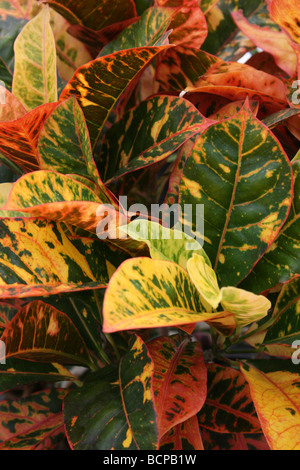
<point x="184" y="436"/>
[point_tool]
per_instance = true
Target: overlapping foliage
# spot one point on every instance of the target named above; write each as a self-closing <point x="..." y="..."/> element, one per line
<point x="184" y="338"/>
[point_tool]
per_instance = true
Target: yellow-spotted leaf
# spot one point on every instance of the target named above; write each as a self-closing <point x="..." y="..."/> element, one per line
<point x="34" y="422"/>
<point x="281" y="262"/>
<point x="151" y="132"/>
<point x="150" y="293"/>
<point x="239" y="171"/>
<point x="5" y="189"/>
<point x="57" y="197"/>
<point x="184" y="436"/>
<point x="99" y="84"/>
<point x="164" y="243"/>
<point x="179" y="380"/>
<point x="35" y="81"/>
<point x="64" y="145"/>
<point x="228" y="408"/>
<point x="286" y="14"/>
<point x="94" y="14"/>
<point x="19" y="139"/>
<point x="205" y="279"/>
<point x="42" y="333"/>
<point x="274" y="388"/>
<point x="115" y="408"/>
<point x="246" y="306"/>
<point x="37" y="258"/>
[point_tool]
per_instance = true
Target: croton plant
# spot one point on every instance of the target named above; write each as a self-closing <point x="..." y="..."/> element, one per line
<point x="121" y="330"/>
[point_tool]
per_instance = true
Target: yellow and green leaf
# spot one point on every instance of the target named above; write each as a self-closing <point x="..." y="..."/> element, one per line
<point x="205" y="279"/>
<point x="115" y="410"/>
<point x="274" y="387"/>
<point x="245" y="183"/>
<point x="179" y="380"/>
<point x="35" y="81"/>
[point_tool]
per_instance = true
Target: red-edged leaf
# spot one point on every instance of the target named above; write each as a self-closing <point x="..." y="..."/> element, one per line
<point x="179" y="380"/>
<point x="10" y="107"/>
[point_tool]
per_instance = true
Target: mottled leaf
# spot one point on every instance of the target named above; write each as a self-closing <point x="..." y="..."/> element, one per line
<point x="274" y="389"/>
<point x="37" y="258"/>
<point x="236" y="441"/>
<point x="205" y="279"/>
<point x="184" y="436"/>
<point x="228" y="407"/>
<point x="148" y="134"/>
<point x="179" y="380"/>
<point x="240" y="172"/>
<point x="10" y="107"/>
<point x="280" y="117"/>
<point x="149" y="30"/>
<point x="281" y="262"/>
<point x="33" y="423"/>
<point x="41" y="333"/>
<point x="147" y="293"/>
<point x="99" y="84"/>
<point x="94" y="14"/>
<point x="285" y="13"/>
<point x="115" y="407"/>
<point x="34" y="81"/>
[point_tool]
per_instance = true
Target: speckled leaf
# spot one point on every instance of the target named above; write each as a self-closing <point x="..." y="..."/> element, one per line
<point x="33" y="423"/>
<point x="184" y="436"/>
<point x="34" y="81"/>
<point x="149" y="30"/>
<point x="148" y="293"/>
<point x="228" y="407"/>
<point x="17" y="372"/>
<point x="149" y="133"/>
<point x="5" y="189"/>
<point x="274" y="389"/>
<point x="64" y="144"/>
<point x="94" y="14"/>
<point x="164" y="243"/>
<point x="99" y="84"/>
<point x="57" y="197"/>
<point x="37" y="258"/>
<point x="272" y="41"/>
<point x="281" y="262"/>
<point x="247" y="193"/>
<point x="285" y="13"/>
<point x="179" y="380"/>
<point x="235" y="441"/>
<point x="115" y="408"/>
<point x="19" y="139"/>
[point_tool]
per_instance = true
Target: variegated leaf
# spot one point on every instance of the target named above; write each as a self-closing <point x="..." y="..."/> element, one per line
<point x="280" y="117"/>
<point x="5" y="189"/>
<point x="147" y="293"/>
<point x="34" y="81"/>
<point x="115" y="407"/>
<point x="90" y="84"/>
<point x="149" y="30"/>
<point x="285" y="13"/>
<point x="18" y="9"/>
<point x="205" y="279"/>
<point x="64" y="144"/>
<point x="246" y="193"/>
<point x="42" y="333"/>
<point x="274" y="387"/>
<point x="151" y="132"/>
<point x="33" y="423"/>
<point x="281" y="262"/>
<point x="37" y="258"/>
<point x="235" y="441"/>
<point x="228" y="407"/>
<point x="94" y="14"/>
<point x="179" y="380"/>
<point x="184" y="436"/>
<point x="19" y="139"/>
<point x="10" y="107"/>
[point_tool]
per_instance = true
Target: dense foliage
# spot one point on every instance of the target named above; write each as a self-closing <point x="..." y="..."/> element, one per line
<point x="118" y="331"/>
